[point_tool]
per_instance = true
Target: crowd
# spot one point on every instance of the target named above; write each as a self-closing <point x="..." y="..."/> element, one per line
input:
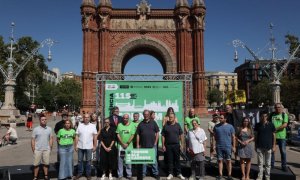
<point x="107" y="141"/>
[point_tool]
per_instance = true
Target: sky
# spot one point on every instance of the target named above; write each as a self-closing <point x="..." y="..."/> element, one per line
<point x="226" y="20"/>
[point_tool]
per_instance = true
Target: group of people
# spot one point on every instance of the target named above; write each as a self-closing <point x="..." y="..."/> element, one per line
<point x="227" y="139"/>
<point x="114" y="136"/>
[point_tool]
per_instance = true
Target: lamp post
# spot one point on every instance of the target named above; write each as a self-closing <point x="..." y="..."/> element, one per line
<point x="275" y="74"/>
<point x="13" y="70"/>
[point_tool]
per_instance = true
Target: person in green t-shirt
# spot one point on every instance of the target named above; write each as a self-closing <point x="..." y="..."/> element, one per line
<point x="135" y="122"/>
<point x="125" y="133"/>
<point x="65" y="138"/>
<point x="188" y="120"/>
<point x="280" y="121"/>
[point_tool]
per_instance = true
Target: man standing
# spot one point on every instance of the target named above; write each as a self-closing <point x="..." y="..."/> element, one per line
<point x="136" y="122"/>
<point x="85" y="144"/>
<point x="115" y="119"/>
<point x="211" y="125"/>
<point x="41" y="144"/>
<point x="280" y="121"/>
<point x="147" y="137"/>
<point x="171" y="136"/>
<point x="188" y="120"/>
<point x="125" y="133"/>
<point x="225" y="144"/>
<point x="265" y="143"/>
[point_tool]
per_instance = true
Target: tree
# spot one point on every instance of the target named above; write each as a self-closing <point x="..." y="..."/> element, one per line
<point x="32" y="72"/>
<point x="261" y="93"/>
<point x="214" y="96"/>
<point x="69" y="93"/>
<point x="290" y="95"/>
<point x="47" y="96"/>
<point x="293" y="42"/>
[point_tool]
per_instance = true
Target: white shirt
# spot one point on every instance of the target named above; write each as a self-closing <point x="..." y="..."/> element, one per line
<point x="86" y="135"/>
<point x="13" y="132"/>
<point x="196" y="139"/>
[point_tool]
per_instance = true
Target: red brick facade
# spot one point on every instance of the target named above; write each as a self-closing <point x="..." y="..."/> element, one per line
<point x="111" y="37"/>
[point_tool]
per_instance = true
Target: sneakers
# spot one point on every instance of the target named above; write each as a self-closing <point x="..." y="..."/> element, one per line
<point x="170" y="177"/>
<point x="219" y="177"/>
<point x="180" y="176"/>
<point x="229" y="178"/>
<point x="157" y="177"/>
<point x="89" y="178"/>
<point x="110" y="177"/>
<point x="103" y="177"/>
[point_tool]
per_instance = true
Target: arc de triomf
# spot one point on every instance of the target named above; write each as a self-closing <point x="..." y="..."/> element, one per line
<point x="111" y="37"/>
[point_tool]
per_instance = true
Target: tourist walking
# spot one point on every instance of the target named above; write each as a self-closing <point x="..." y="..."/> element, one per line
<point x="85" y="144"/>
<point x="244" y="137"/>
<point x="41" y="145"/>
<point x="125" y="133"/>
<point x="197" y="148"/>
<point x="280" y="121"/>
<point x="108" y="151"/>
<point x="147" y="137"/>
<point x="29" y="122"/>
<point x="172" y="136"/>
<point x="211" y="125"/>
<point x="265" y="144"/>
<point x="65" y="138"/>
<point x="224" y="134"/>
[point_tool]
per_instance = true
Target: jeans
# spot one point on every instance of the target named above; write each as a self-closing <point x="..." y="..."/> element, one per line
<point x="66" y="161"/>
<point x="121" y="164"/>
<point x="264" y="157"/>
<point x="173" y="153"/>
<point x="154" y="167"/>
<point x="88" y="155"/>
<point x="282" y="148"/>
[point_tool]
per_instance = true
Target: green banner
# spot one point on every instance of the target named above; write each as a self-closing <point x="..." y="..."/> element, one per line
<point x="140" y="156"/>
<point x="136" y="96"/>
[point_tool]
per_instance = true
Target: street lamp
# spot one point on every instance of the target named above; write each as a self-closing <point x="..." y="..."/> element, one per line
<point x="275" y="74"/>
<point x="10" y="73"/>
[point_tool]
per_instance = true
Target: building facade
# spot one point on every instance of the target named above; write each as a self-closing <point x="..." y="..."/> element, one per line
<point x="111" y="37"/>
<point x="223" y="81"/>
<point x="250" y="73"/>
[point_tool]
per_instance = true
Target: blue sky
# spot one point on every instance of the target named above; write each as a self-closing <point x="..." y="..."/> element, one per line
<point x="226" y="20"/>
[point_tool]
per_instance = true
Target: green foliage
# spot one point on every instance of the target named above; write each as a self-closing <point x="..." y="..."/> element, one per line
<point x="69" y="93"/>
<point x="261" y="93"/>
<point x="293" y="42"/>
<point x="32" y="72"/>
<point x="290" y="95"/>
<point x="46" y="96"/>
<point x="214" y="96"/>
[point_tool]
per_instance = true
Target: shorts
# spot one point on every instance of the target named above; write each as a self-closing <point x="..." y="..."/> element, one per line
<point x="29" y="124"/>
<point x="41" y="157"/>
<point x="223" y="153"/>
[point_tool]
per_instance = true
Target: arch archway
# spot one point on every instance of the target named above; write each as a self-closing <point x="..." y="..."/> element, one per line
<point x="111" y="37"/>
<point x="148" y="46"/>
<point x="143" y="60"/>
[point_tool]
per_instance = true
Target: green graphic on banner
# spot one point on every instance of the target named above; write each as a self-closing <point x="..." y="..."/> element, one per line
<point x="140" y="156"/>
<point x="136" y="96"/>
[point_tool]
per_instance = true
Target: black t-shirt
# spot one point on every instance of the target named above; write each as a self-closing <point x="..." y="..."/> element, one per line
<point x="29" y="119"/>
<point x="147" y="131"/>
<point x="264" y="138"/>
<point x="230" y="119"/>
<point x="171" y="133"/>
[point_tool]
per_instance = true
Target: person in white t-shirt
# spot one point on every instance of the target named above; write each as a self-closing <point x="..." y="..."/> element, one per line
<point x="85" y="144"/>
<point x="196" y="147"/>
<point x="11" y="134"/>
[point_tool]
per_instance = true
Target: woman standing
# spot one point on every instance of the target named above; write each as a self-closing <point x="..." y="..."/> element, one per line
<point x="196" y="146"/>
<point x="170" y="110"/>
<point x="245" y="151"/>
<point x="65" y="138"/>
<point x="108" y="153"/>
<point x="29" y="122"/>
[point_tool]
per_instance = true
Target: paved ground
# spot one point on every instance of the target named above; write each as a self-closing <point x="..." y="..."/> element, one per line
<point x="21" y="153"/>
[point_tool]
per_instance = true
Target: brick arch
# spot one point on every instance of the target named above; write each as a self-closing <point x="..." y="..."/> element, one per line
<point x="144" y="45"/>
